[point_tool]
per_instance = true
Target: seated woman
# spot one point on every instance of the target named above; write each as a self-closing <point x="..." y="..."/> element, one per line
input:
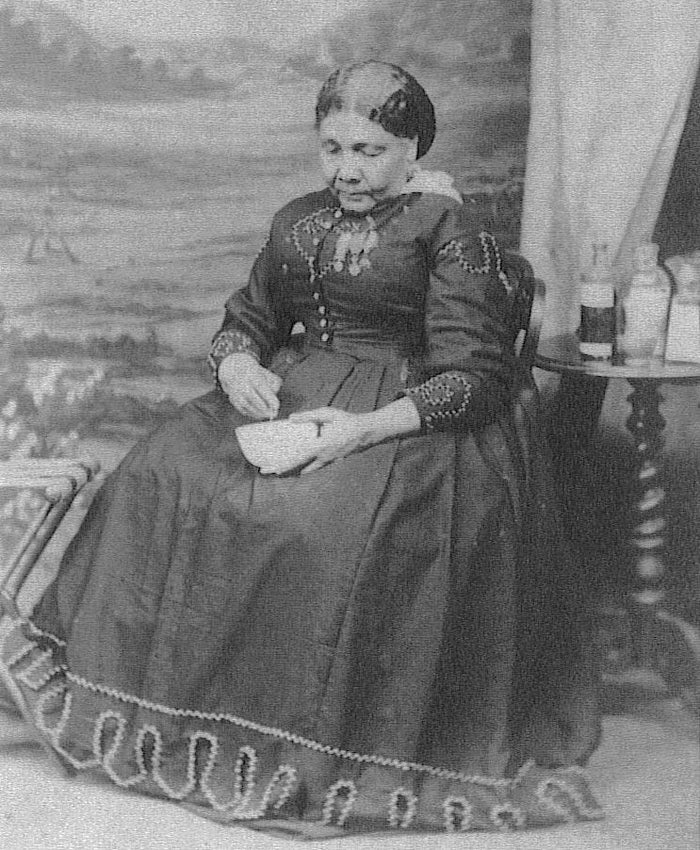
<point x="383" y="638"/>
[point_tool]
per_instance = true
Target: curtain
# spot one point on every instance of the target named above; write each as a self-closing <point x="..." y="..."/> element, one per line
<point x="610" y="87"/>
<point x="678" y="225"/>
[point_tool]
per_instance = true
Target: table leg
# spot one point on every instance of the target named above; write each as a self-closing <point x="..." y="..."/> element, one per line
<point x="665" y="643"/>
<point x="648" y="538"/>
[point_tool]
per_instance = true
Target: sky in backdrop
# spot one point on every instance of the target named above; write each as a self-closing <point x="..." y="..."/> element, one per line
<point x="276" y="21"/>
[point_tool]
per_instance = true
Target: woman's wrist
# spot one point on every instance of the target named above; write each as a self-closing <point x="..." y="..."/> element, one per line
<point x="396" y="419"/>
<point x="227" y="343"/>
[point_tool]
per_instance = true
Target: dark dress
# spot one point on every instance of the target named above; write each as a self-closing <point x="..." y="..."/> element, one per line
<point x="373" y="645"/>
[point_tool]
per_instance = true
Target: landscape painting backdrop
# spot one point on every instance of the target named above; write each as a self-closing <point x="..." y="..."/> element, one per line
<point x="138" y="179"/>
<point x="138" y="176"/>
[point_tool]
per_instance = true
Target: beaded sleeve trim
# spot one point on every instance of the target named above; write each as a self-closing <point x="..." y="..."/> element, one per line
<point x="230" y="342"/>
<point x="442" y="401"/>
<point x="491" y="254"/>
<point x="558" y="795"/>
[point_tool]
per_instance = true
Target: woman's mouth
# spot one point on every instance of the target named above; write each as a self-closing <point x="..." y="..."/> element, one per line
<point x="354" y="197"/>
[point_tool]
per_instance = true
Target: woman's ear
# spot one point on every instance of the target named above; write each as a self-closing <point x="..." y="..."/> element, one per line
<point x="412" y="150"/>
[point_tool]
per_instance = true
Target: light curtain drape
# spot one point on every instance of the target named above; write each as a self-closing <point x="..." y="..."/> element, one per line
<point x="610" y="87"/>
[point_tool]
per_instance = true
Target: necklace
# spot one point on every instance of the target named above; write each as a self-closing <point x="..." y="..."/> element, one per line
<point x="356" y="239"/>
<point x="354" y="246"/>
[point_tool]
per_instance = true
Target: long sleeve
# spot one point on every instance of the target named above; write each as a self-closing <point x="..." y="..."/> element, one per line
<point x="468" y="362"/>
<point x="255" y="321"/>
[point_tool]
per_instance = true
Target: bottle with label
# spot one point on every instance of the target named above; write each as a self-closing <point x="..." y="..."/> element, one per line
<point x="645" y="308"/>
<point x="597" y="329"/>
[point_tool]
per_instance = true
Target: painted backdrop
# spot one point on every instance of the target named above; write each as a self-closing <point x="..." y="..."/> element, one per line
<point x="142" y="156"/>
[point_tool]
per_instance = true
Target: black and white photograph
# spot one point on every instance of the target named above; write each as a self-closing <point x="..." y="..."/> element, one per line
<point x="349" y="424"/>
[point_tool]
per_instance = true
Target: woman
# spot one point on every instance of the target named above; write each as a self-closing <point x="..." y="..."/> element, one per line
<point x="373" y="641"/>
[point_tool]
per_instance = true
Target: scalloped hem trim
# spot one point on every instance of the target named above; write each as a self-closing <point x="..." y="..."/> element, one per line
<point x="534" y="797"/>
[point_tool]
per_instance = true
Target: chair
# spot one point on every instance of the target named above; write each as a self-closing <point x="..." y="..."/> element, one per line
<point x="528" y="307"/>
<point x="528" y="297"/>
<point x="59" y="481"/>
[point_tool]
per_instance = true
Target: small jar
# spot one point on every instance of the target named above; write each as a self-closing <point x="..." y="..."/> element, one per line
<point x="645" y="309"/>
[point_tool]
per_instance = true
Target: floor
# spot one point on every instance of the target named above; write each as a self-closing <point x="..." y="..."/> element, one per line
<point x="646" y="773"/>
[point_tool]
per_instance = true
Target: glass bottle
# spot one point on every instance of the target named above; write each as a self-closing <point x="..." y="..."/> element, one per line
<point x="597" y="329"/>
<point x="683" y="333"/>
<point x="645" y="308"/>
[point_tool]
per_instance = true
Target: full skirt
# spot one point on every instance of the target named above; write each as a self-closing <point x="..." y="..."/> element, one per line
<point x="397" y="640"/>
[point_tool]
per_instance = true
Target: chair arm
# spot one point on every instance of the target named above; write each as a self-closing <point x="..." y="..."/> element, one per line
<point x="528" y="350"/>
<point x="40" y="472"/>
<point x="59" y="481"/>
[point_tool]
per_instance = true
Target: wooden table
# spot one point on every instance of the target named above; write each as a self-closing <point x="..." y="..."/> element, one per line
<point x="582" y="390"/>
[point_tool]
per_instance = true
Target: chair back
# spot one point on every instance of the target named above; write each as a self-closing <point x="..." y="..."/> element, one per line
<point x="528" y="294"/>
<point x="513" y="457"/>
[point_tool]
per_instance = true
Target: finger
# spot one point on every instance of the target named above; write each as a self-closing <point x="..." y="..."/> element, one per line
<point x="273" y="381"/>
<point x="248" y="409"/>
<point x="255" y="405"/>
<point x="315" y="465"/>
<point x="236" y="401"/>
<point x="264" y="400"/>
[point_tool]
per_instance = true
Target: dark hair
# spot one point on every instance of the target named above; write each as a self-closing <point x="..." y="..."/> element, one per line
<point x="384" y="93"/>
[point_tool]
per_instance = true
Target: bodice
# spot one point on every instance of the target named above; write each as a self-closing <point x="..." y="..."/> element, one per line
<point x="415" y="280"/>
<point x="356" y="282"/>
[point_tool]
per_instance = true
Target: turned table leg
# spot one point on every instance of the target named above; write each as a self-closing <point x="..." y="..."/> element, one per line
<point x="665" y="643"/>
<point x="648" y="537"/>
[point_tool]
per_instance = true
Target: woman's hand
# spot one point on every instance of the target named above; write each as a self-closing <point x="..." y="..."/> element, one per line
<point x="251" y="388"/>
<point x="342" y="433"/>
<point x="339" y="434"/>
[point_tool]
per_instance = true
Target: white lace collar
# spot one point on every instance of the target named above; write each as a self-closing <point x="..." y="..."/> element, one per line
<point x="434" y="182"/>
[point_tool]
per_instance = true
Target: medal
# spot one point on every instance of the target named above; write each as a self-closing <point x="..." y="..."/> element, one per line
<point x="354" y="247"/>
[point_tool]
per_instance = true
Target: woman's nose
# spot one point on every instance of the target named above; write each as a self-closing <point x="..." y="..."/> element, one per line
<point x="348" y="169"/>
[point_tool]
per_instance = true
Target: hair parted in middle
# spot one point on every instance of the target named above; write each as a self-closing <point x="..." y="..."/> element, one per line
<point x="383" y="93"/>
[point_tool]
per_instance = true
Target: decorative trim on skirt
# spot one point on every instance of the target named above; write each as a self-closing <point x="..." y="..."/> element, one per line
<point x="244" y="770"/>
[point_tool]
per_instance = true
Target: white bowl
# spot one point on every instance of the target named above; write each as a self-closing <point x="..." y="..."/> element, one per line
<point x="278" y="445"/>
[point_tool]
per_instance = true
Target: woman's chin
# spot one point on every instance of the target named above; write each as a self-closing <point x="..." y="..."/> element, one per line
<point x="356" y="203"/>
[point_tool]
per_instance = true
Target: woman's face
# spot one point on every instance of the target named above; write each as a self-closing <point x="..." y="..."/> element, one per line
<point x="361" y="162"/>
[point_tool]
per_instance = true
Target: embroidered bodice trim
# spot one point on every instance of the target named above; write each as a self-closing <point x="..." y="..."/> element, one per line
<point x="356" y="239"/>
<point x="491" y="253"/>
<point x="442" y="401"/>
<point x="230" y="342"/>
<point x="558" y="795"/>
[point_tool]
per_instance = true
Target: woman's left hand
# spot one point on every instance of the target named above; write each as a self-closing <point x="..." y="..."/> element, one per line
<point x="340" y="434"/>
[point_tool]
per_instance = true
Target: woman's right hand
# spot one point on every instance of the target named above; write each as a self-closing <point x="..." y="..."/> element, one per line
<point x="251" y="388"/>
